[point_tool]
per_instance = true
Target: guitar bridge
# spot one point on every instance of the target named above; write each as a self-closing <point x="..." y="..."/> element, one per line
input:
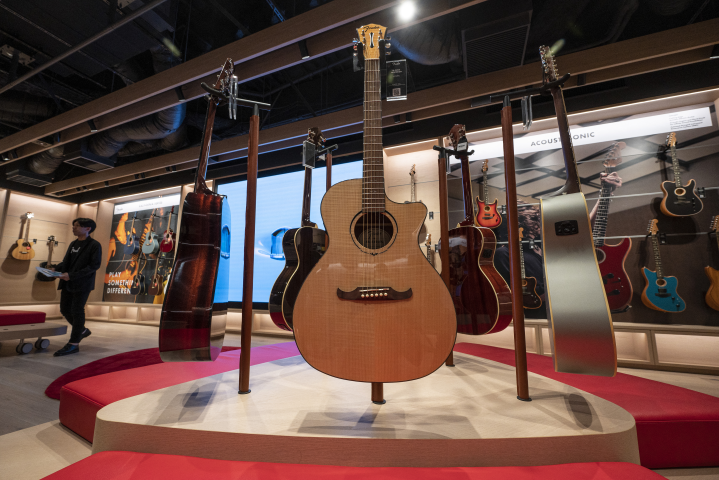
<point x="374" y="294"/>
<point x="662" y="293"/>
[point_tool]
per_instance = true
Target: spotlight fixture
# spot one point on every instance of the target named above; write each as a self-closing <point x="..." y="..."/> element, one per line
<point x="303" y="49"/>
<point x="406" y="10"/>
<point x="9" y="155"/>
<point x="715" y="52"/>
<point x="91" y="124"/>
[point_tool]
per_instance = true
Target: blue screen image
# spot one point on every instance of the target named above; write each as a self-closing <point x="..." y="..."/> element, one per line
<point x="279" y="208"/>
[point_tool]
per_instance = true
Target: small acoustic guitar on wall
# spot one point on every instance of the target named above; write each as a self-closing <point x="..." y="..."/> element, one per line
<point x="482" y="299"/>
<point x="487" y="215"/>
<point x="679" y="200"/>
<point x="611" y="258"/>
<point x="23" y="250"/>
<point x="51" y="244"/>
<point x="660" y="292"/>
<point x="712" y="296"/>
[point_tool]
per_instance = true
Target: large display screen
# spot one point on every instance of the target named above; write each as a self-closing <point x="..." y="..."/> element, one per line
<point x="279" y="208"/>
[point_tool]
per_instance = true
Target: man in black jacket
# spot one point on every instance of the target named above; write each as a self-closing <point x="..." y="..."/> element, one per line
<point x="82" y="259"/>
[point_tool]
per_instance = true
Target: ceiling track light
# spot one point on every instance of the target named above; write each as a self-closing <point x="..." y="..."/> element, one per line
<point x="303" y="49"/>
<point x="91" y="124"/>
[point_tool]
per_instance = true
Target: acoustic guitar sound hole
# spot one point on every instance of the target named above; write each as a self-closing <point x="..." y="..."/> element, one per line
<point x="373" y="230"/>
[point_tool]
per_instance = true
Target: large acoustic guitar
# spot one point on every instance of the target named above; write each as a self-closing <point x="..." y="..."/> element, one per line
<point x="712" y="296"/>
<point x="487" y="215"/>
<point x="194" y="311"/>
<point x="660" y="291"/>
<point x="482" y="299"/>
<point x="373" y="309"/>
<point x="530" y="297"/>
<point x="583" y="335"/>
<point x="679" y="200"/>
<point x="611" y="258"/>
<point x="23" y="250"/>
<point x="303" y="247"/>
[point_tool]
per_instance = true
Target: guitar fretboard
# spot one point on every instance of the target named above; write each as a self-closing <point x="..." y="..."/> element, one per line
<point x="372" y="168"/>
<point x="657" y="257"/>
<point x="521" y="258"/>
<point x="600" y="221"/>
<point x="675" y="167"/>
<point x="486" y="190"/>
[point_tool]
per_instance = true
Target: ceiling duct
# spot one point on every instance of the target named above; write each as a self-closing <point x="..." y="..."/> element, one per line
<point x="29" y="178"/>
<point x="496" y="45"/>
<point x="77" y="154"/>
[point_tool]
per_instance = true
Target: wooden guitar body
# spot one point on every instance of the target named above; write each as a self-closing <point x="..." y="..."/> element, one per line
<point x="712" y="296"/>
<point x="530" y="297"/>
<point x="661" y="296"/>
<point x="303" y="248"/>
<point x="194" y="312"/>
<point x="404" y="328"/>
<point x="138" y="284"/>
<point x="487" y="215"/>
<point x="482" y="299"/>
<point x="680" y="202"/>
<point x="616" y="281"/>
<point x="155" y="287"/>
<point x="578" y="311"/>
<point x="23" y="250"/>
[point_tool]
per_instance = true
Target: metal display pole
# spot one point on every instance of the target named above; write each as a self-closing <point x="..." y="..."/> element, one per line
<point x="444" y="222"/>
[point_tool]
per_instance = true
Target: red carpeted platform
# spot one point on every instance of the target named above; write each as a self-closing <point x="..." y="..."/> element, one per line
<point x="20" y="317"/>
<point x="141" y="466"/>
<point x="81" y="400"/>
<point x="676" y="427"/>
<point x="113" y="363"/>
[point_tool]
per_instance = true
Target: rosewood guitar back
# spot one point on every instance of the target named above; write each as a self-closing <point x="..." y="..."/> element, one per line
<point x="373" y="339"/>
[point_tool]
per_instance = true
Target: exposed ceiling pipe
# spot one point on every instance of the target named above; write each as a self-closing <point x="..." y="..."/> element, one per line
<point x="30" y="107"/>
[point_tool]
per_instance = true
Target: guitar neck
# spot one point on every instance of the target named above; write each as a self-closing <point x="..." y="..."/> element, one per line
<point x="657" y="256"/>
<point x="521" y="258"/>
<point x="600" y="221"/>
<point x="467" y="191"/>
<point x="412" y="192"/>
<point x="49" y="253"/>
<point x="675" y="167"/>
<point x="373" y="168"/>
<point x="306" y="198"/>
<point x="200" y="185"/>
<point x="485" y="189"/>
<point x="572" y="184"/>
<point x="27" y="231"/>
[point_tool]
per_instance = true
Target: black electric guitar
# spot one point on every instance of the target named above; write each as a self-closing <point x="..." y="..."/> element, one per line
<point x="530" y="297"/>
<point x="679" y="200"/>
<point x="51" y="244"/>
<point x="577" y="305"/>
<point x="303" y="247"/>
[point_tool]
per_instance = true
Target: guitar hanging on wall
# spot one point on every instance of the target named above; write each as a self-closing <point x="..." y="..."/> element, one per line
<point x="194" y="311"/>
<point x="132" y="243"/>
<point x="168" y="236"/>
<point x="413" y="198"/>
<point x="302" y="247"/>
<point x="660" y="292"/>
<point x="581" y="324"/>
<point x="373" y="309"/>
<point x="530" y="297"/>
<point x="138" y="286"/>
<point x="712" y="296"/>
<point x="51" y="244"/>
<point x="151" y="246"/>
<point x="679" y="200"/>
<point x="23" y="250"/>
<point x="487" y="215"/>
<point x="611" y="258"/>
<point x="482" y="299"/>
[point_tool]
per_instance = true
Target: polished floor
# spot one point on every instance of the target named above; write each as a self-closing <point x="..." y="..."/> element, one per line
<point x="34" y="444"/>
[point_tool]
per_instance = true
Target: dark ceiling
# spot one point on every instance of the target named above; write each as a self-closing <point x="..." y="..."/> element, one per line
<point x="490" y="36"/>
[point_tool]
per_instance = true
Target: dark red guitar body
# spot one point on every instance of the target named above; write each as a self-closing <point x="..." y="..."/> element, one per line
<point x="487" y="215"/>
<point x="482" y="299"/>
<point x="616" y="282"/>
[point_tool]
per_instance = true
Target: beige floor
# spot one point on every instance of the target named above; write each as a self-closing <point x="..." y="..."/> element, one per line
<point x="33" y="444"/>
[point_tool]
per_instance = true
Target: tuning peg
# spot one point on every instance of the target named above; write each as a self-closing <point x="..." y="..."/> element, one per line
<point x="387" y="45"/>
<point x="387" y="38"/>
<point x="355" y="40"/>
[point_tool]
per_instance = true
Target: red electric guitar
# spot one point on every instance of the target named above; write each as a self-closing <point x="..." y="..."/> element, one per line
<point x="482" y="299"/>
<point x="168" y="237"/>
<point x="611" y="257"/>
<point x="487" y="215"/>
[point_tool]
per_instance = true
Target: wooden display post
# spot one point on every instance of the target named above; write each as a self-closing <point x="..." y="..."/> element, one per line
<point x="247" y="277"/>
<point x="520" y="345"/>
<point x="444" y="222"/>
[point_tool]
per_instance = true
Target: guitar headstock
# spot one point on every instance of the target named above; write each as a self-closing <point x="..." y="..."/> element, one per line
<point x="672" y="140"/>
<point x="549" y="64"/>
<point x="412" y="170"/>
<point x="429" y="240"/>
<point x="370" y="36"/>
<point x="521" y="233"/>
<point x="314" y="135"/>
<point x="485" y="166"/>
<point x="457" y="135"/>
<point x="715" y="224"/>
<point x="614" y="155"/>
<point x="653" y="227"/>
<point x="225" y="77"/>
<point x="29" y="215"/>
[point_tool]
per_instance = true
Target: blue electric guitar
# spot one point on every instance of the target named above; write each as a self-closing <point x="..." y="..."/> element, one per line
<point x="660" y="292"/>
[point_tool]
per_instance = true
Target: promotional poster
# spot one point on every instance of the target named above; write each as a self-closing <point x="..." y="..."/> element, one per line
<point x="141" y="250"/>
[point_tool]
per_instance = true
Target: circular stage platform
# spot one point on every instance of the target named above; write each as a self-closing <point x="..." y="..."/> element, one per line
<point x="463" y="416"/>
